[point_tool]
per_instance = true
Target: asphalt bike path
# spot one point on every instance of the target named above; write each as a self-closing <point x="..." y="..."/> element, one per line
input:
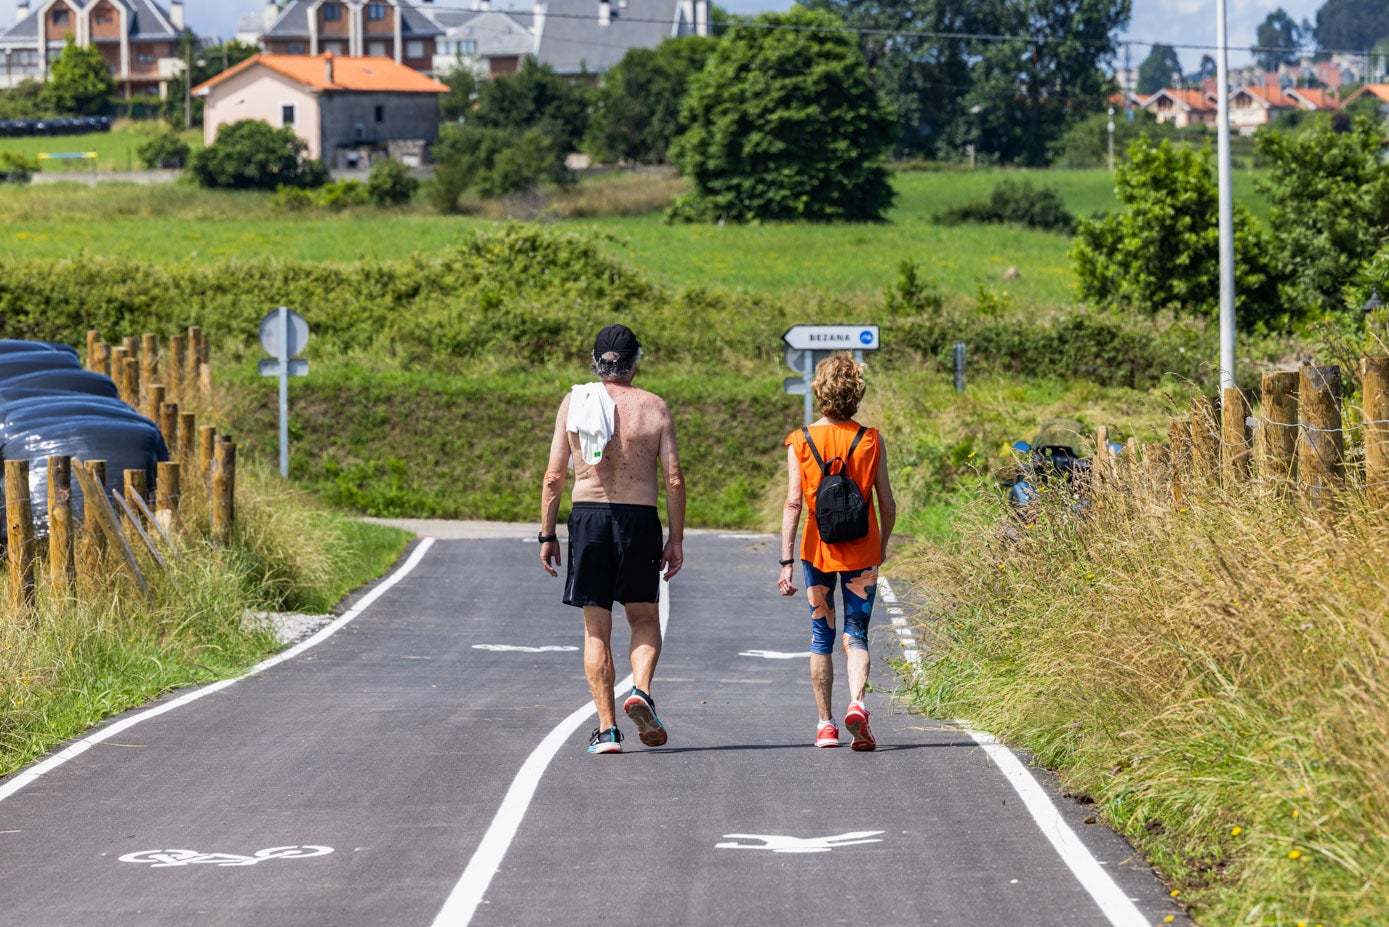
<point x="425" y="764"/>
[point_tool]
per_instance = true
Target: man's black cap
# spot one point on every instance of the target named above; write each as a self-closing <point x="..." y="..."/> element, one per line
<point x="616" y="339"/>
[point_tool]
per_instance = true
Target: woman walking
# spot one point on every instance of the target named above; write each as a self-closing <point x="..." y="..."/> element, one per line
<point x="841" y="545"/>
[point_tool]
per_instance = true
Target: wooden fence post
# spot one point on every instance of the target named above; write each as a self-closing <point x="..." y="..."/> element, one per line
<point x="93" y="339"/>
<point x="60" y="562"/>
<point x="118" y="358"/>
<point x="1235" y="437"/>
<point x="136" y="484"/>
<point x="19" y="522"/>
<point x="1276" y="439"/>
<point x="173" y="377"/>
<point x="100" y="360"/>
<point x="223" y="490"/>
<point x="131" y="345"/>
<point x="94" y="547"/>
<point x="168" y="424"/>
<point x="1205" y="437"/>
<point x="1103" y="465"/>
<point x="131" y="368"/>
<point x="154" y="401"/>
<point x="190" y="367"/>
<point x="187" y="439"/>
<point x="1374" y="372"/>
<point x="167" y="495"/>
<point x="1320" y="443"/>
<point x="207" y="443"/>
<point x="149" y="361"/>
<point x="106" y="522"/>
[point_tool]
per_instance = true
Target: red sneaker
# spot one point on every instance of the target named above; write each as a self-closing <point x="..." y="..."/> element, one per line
<point x="826" y="734"/>
<point x="856" y="720"/>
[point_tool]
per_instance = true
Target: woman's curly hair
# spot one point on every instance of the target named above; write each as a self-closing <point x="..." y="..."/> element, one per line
<point x="838" y="386"/>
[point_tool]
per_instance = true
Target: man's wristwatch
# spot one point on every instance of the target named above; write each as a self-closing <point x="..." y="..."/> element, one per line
<point x="547" y="538"/>
<point x="786" y="562"/>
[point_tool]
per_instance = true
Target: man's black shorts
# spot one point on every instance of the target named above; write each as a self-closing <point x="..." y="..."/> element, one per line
<point x="614" y="554"/>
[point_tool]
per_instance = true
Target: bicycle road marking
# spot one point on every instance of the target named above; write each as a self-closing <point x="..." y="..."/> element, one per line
<point x="74" y="750"/>
<point x="548" y="648"/>
<point x="779" y="844"/>
<point x="161" y="859"/>
<point x="466" y="895"/>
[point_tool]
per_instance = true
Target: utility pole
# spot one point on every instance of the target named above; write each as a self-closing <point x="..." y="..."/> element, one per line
<point x="1111" y="139"/>
<point x="187" y="84"/>
<point x="1227" y="235"/>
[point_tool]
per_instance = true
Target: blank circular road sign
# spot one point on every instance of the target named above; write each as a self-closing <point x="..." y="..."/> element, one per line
<point x="270" y="333"/>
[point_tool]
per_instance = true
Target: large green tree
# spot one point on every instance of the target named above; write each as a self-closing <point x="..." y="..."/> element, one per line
<point x="1278" y="37"/>
<point x="535" y="97"/>
<point x="636" y="110"/>
<point x="1158" y="69"/>
<point x="961" y="73"/>
<point x="79" y="82"/>
<point x="785" y="124"/>
<point x="253" y="155"/>
<point x="1351" y="25"/>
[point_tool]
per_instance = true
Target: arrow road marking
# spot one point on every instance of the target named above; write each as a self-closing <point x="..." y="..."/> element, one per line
<point x="779" y="844"/>
<point x="773" y="654"/>
<point x="159" y="859"/>
<point x="548" y="648"/>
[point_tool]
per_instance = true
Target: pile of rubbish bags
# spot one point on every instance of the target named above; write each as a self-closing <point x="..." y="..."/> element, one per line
<point x="50" y="405"/>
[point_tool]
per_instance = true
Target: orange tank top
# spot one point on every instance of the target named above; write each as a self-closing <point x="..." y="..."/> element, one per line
<point x="832" y="441"/>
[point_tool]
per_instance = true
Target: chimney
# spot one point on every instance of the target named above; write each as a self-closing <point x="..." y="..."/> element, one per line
<point x="176" y="14"/>
<point x="21" y="12"/>
<point x="271" y="13"/>
<point x="605" y="13"/>
<point x="328" y="67"/>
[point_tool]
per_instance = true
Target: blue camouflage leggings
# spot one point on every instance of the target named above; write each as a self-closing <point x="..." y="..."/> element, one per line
<point x="857" y="588"/>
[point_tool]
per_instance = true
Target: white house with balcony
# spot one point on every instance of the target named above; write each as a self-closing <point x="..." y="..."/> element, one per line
<point x="139" y="40"/>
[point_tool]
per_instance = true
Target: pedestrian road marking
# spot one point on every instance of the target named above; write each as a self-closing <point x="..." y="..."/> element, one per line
<point x="548" y="648"/>
<point x="773" y="654"/>
<point x="159" y="859"/>
<point x="780" y="844"/>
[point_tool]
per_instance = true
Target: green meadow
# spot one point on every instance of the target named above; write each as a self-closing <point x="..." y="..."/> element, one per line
<point x="115" y="150"/>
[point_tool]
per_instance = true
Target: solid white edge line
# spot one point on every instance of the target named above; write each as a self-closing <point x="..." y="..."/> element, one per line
<point x="487" y="859"/>
<point x="1112" y="901"/>
<point x="76" y="749"/>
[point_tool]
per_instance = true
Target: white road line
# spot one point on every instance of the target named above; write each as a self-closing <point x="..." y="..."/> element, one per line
<point x="463" y="901"/>
<point x="74" y="750"/>
<point x="885" y="590"/>
<point x="1112" y="901"/>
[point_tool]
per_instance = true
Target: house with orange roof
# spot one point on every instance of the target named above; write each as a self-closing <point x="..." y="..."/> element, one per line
<point x="1378" y="91"/>
<point x="1182" y="108"/>
<point x="1251" y="107"/>
<point x="348" y="110"/>
<point x="1312" y="98"/>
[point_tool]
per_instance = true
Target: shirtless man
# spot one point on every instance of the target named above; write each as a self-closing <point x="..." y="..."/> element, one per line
<point x="615" y="551"/>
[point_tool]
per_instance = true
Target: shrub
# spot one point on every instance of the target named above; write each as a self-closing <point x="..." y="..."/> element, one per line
<point x="390" y="184"/>
<point x="165" y="150"/>
<point x="1016" y="203"/>
<point x="16" y="168"/>
<point x="251" y="155"/>
<point x="1161" y="254"/>
<point x="342" y="194"/>
<point x="293" y="199"/>
<point x="493" y="162"/>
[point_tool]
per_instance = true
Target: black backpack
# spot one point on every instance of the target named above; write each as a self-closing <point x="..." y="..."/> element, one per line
<point x="840" y="510"/>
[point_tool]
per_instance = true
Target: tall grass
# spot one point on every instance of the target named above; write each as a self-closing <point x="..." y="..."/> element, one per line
<point x="1212" y="675"/>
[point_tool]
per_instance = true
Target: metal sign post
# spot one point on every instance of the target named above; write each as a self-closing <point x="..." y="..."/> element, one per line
<point x="283" y="334"/>
<point x="807" y="345"/>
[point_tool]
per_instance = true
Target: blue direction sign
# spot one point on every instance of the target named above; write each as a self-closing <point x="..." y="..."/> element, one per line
<point x="832" y="337"/>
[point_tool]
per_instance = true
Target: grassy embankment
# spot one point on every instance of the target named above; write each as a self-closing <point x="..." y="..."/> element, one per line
<point x="76" y="661"/>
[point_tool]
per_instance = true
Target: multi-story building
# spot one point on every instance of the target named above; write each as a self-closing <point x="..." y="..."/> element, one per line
<point x="138" y="38"/>
<point x="392" y="29"/>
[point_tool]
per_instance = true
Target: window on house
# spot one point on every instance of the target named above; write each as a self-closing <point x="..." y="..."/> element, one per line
<point x="376" y="11"/>
<point x="287" y="114"/>
<point x="414" y="49"/>
<point x="334" y="47"/>
<point x="380" y="114"/>
<point x="467" y="47"/>
<point x="60" y="17"/>
<point x="377" y="50"/>
<point x="103" y="18"/>
<point x="332" y="12"/>
<point x="294" y="48"/>
<point x="144" y="58"/>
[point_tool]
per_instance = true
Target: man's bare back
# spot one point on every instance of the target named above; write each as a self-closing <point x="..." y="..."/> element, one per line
<point x="628" y="469"/>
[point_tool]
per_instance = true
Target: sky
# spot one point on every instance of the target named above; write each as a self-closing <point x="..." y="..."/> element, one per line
<point x="1173" y="22"/>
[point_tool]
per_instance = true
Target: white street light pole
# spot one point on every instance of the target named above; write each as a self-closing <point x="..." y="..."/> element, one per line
<point x="1111" y="139"/>
<point x="1227" y="233"/>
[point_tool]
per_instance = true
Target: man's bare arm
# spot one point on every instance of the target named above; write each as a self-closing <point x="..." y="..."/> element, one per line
<point x="673" y="558"/>
<point x="553" y="488"/>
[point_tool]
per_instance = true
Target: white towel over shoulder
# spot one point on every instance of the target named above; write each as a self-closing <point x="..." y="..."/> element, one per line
<point x="591" y="417"/>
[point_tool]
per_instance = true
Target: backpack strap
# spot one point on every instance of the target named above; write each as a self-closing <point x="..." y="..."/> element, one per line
<point x="857" y="438"/>
<point x="814" y="453"/>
